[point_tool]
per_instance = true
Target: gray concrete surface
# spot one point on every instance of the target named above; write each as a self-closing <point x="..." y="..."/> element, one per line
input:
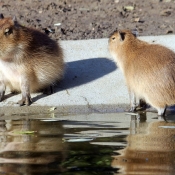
<point x="92" y="82"/>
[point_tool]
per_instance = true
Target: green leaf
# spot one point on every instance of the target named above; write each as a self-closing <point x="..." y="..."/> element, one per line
<point x="24" y="132"/>
<point x="129" y="8"/>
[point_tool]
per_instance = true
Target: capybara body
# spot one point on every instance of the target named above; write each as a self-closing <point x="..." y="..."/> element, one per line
<point x="29" y="60"/>
<point x="149" y="69"/>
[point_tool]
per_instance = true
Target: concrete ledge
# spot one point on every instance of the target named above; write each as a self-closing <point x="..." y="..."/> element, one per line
<point x="92" y="82"/>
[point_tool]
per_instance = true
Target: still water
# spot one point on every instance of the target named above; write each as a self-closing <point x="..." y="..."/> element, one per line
<point x="87" y="144"/>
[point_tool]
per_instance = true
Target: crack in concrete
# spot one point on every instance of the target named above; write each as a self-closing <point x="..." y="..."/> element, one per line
<point x="90" y="106"/>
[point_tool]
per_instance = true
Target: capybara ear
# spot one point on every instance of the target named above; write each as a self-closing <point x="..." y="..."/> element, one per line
<point x="14" y="19"/>
<point x="122" y="35"/>
<point x="1" y="16"/>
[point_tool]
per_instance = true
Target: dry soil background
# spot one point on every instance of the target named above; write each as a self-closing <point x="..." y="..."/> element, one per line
<point x="88" y="19"/>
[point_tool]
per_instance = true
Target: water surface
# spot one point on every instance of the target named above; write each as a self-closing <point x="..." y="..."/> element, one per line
<point x="87" y="144"/>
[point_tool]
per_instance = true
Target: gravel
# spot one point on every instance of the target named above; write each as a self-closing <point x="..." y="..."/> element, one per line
<point x="90" y="19"/>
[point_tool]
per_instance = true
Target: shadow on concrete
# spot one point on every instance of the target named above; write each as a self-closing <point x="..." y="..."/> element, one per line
<point x="81" y="72"/>
<point x="84" y="71"/>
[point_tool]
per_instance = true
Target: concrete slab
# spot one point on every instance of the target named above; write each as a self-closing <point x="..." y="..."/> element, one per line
<point x="92" y="82"/>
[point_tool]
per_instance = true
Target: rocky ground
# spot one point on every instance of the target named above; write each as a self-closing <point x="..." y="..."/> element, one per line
<point x="89" y="19"/>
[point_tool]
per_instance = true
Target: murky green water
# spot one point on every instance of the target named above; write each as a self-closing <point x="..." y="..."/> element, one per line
<point x="87" y="144"/>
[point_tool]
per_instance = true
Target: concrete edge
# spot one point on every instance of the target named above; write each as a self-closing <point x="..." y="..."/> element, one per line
<point x="61" y="110"/>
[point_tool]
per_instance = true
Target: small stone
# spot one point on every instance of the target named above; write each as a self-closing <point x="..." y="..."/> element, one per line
<point x="166" y="12"/>
<point x="57" y="24"/>
<point x="169" y="31"/>
<point x="128" y="8"/>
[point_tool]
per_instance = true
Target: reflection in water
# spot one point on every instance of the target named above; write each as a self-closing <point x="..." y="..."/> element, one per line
<point x="150" y="149"/>
<point x="24" y="152"/>
<point x="88" y="144"/>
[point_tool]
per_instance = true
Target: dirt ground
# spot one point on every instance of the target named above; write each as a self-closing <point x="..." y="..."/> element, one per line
<point x="89" y="19"/>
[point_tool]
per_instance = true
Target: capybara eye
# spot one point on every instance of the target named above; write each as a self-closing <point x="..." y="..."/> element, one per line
<point x="7" y="31"/>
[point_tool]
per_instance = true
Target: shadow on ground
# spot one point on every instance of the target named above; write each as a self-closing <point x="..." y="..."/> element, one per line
<point x="84" y="71"/>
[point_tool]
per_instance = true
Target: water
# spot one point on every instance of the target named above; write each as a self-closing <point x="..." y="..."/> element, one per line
<point x="87" y="145"/>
